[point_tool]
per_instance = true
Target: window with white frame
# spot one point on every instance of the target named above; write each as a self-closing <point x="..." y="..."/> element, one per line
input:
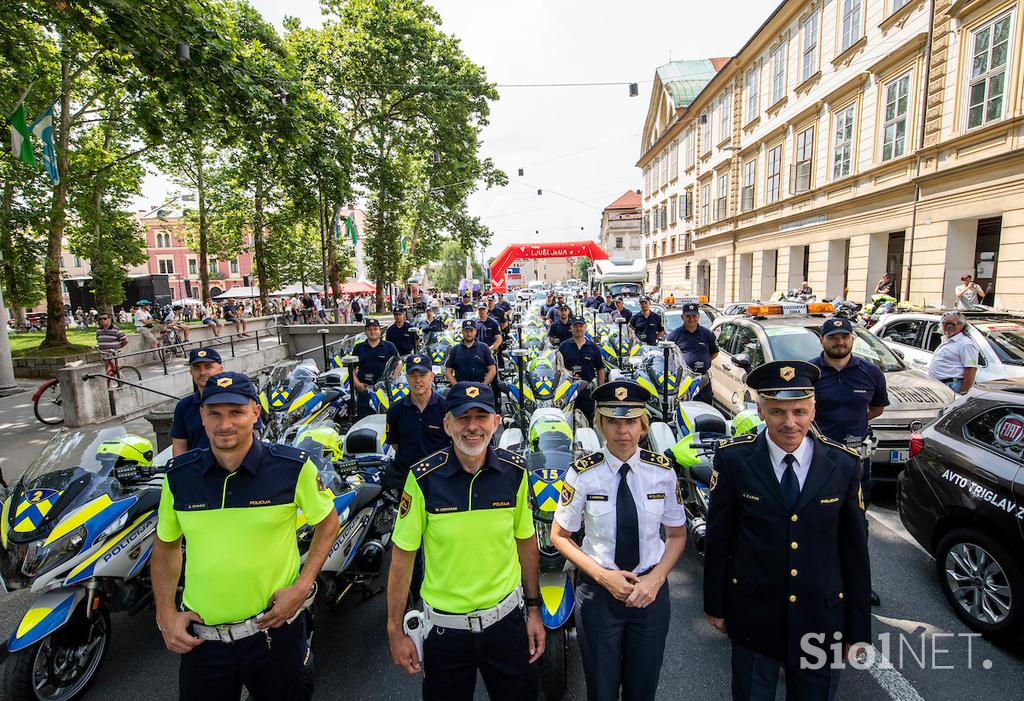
<point x="722" y="203"/>
<point x="724" y="115"/>
<point x="804" y="157"/>
<point x="899" y="4"/>
<point x="851" y="24"/>
<point x="688" y="204"/>
<point x="809" y="57"/>
<point x="192" y="269"/>
<point x="689" y="147"/>
<point x="987" y="87"/>
<point x="778" y="73"/>
<point x="213" y="265"/>
<point x="894" y="126"/>
<point x="752" y="88"/>
<point x="705" y="203"/>
<point x="705" y="132"/>
<point x="673" y="166"/>
<point x="664" y="215"/>
<point x="663" y="180"/>
<point x="773" y="174"/>
<point x="749" y="180"/>
<point x="234" y="266"/>
<point x="842" y="151"/>
<point x="673" y="205"/>
<point x="165" y="266"/>
<point x="647" y="180"/>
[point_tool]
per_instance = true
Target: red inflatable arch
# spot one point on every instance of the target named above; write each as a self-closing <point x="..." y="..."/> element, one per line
<point x="565" y="249"/>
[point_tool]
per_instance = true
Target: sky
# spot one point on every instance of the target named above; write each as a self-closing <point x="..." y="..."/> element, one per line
<point x="578" y="145"/>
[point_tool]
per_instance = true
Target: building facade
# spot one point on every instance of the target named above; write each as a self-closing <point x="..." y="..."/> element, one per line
<point x="620" y="227"/>
<point x="847" y="139"/>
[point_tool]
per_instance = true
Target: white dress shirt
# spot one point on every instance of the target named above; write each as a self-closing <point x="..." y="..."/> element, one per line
<point x="804" y="454"/>
<point x="590" y="501"/>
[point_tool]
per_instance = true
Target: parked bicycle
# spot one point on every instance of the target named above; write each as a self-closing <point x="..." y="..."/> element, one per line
<point x="115" y="371"/>
<point x="169" y="346"/>
<point x="47" y="403"/>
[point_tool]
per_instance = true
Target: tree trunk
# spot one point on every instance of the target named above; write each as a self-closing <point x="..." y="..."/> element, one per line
<point x="259" y="248"/>
<point x="332" y="258"/>
<point x="56" y="332"/>
<point x="204" y="225"/>
<point x="7" y="252"/>
<point x="95" y="260"/>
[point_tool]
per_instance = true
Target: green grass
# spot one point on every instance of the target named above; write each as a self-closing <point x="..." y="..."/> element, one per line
<point x="26" y="345"/>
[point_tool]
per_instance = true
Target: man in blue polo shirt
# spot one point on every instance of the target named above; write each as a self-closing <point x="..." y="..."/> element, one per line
<point x="647" y="324"/>
<point x="416" y="422"/>
<point x="187" y="427"/>
<point x="582" y="357"/>
<point x="560" y="329"/>
<point x="400" y="333"/>
<point x="698" y="345"/>
<point x="470" y="361"/>
<point x="373" y="354"/>
<point x="850" y="392"/>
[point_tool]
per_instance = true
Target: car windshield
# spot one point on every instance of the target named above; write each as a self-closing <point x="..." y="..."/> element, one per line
<point x="673" y="320"/>
<point x="802" y="343"/>
<point x="624" y="288"/>
<point x="1006" y="340"/>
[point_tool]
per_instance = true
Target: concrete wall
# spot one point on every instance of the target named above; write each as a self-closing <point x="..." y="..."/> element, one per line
<point x="304" y="338"/>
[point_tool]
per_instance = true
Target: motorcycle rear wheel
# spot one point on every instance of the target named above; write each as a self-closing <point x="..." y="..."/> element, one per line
<point x="554" y="668"/>
<point x="61" y="666"/>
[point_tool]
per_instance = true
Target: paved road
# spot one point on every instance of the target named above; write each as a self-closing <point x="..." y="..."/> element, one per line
<point x="352" y="659"/>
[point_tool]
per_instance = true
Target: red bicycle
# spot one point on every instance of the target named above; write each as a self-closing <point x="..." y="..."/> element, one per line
<point x="47" y="403"/>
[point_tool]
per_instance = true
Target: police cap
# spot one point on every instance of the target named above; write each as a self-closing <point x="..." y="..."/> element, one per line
<point x="784" y="379"/>
<point x="621" y="399"/>
<point x="229" y="388"/>
<point x="836" y="325"/>
<point x="468" y="324"/>
<point x="691" y="308"/>
<point x="203" y="355"/>
<point x="418" y="363"/>
<point x="577" y="320"/>
<point x="482" y="304"/>
<point x="371" y="322"/>
<point x="398" y="310"/>
<point x="464" y="396"/>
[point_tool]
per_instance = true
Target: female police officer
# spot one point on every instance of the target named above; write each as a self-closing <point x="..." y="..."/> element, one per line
<point x="623" y="496"/>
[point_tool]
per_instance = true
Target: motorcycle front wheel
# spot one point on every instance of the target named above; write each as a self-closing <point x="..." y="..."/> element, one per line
<point x="554" y="668"/>
<point x="61" y="666"/>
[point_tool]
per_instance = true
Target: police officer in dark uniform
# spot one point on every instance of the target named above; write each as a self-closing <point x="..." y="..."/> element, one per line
<point x="234" y="505"/>
<point x="497" y="312"/>
<point x="415" y="423"/>
<point x="786" y="570"/>
<point x="401" y="334"/>
<point x="852" y="391"/>
<point x="187" y="427"/>
<point x="549" y="302"/>
<point x="593" y="301"/>
<point x="647" y="324"/>
<point x="470" y="361"/>
<point x="554" y="310"/>
<point x="560" y="328"/>
<point x="607" y="305"/>
<point x="432" y="323"/>
<point x="621" y="498"/>
<point x="487" y="330"/>
<point x="619" y="309"/>
<point x="373" y="354"/>
<point x="468" y="506"/>
<point x="464" y="307"/>
<point x="582" y="357"/>
<point x="698" y="344"/>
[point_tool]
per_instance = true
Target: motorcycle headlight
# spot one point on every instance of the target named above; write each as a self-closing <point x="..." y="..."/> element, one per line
<point x="45" y="558"/>
<point x="544" y="539"/>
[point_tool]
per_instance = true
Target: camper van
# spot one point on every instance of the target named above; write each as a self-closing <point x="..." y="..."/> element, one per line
<point x="620" y="276"/>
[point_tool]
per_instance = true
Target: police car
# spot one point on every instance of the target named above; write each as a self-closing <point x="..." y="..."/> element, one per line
<point x="998" y="335"/>
<point x="961" y="497"/>
<point x="672" y="317"/>
<point x="765" y="333"/>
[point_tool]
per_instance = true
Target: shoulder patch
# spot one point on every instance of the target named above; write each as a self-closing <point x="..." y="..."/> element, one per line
<point x="430" y="463"/>
<point x="738" y="440"/>
<point x="186" y="458"/>
<point x="834" y="444"/>
<point x="588" y="461"/>
<point x="511" y="457"/>
<point x="286" y="452"/>
<point x="654" y="459"/>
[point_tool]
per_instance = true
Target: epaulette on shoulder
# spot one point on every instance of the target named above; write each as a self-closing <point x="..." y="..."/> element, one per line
<point x="588" y="461"/>
<point x="287" y="452"/>
<point x="430" y="463"/>
<point x="511" y="457"/>
<point x="655" y="459"/>
<point x="835" y="444"/>
<point x="745" y="439"/>
<point x="186" y="458"/>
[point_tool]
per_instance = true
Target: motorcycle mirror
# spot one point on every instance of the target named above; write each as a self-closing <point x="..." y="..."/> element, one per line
<point x="331" y="396"/>
<point x="666" y="344"/>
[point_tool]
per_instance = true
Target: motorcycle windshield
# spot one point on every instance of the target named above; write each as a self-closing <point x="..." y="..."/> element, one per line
<point x="660" y="375"/>
<point x="557" y="456"/>
<point x="71" y="451"/>
<point x="306" y="371"/>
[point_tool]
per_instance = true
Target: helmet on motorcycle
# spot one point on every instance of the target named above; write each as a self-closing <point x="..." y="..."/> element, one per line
<point x="128" y="449"/>
<point x="549" y="433"/>
<point x="320" y="439"/>
<point x="745" y="421"/>
<point x="683" y="423"/>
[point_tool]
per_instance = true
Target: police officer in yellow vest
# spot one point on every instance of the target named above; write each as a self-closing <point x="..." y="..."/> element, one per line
<point x="786" y="571"/>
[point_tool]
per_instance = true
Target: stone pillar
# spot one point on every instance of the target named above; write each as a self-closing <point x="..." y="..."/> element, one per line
<point x="160" y="419"/>
<point x="84" y="401"/>
<point x="817" y="268"/>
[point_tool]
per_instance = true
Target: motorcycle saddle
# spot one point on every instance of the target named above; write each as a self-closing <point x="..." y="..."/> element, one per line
<point x="365" y="493"/>
<point x="701" y="472"/>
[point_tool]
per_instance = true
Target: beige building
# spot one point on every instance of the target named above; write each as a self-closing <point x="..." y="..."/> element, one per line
<point x="845" y="139"/>
<point x="547" y="270"/>
<point x="620" y="227"/>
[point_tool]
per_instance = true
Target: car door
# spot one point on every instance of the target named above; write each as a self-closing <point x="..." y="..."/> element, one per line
<point x="908" y="336"/>
<point x="747" y="341"/>
<point x="722" y="382"/>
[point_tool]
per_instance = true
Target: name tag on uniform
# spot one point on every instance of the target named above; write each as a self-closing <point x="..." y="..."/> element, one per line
<point x="500" y="504"/>
<point x="597" y="497"/>
<point x="434" y="427"/>
<point x="656" y="495"/>
<point x="830" y="500"/>
<point x="751" y="497"/>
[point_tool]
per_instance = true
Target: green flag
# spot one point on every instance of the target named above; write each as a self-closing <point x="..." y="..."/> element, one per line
<point x="21" y="139"/>
<point x="403" y="244"/>
<point x="350" y="227"/>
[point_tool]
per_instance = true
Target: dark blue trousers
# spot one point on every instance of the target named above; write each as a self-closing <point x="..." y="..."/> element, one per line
<point x="755" y="676"/>
<point x="621" y="647"/>
<point x="274" y="668"/>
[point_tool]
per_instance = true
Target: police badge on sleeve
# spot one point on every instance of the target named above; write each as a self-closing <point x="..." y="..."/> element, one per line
<point x="404" y="504"/>
<point x="567" y="494"/>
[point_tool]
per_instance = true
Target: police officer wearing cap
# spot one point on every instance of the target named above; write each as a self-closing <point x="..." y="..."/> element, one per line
<point x="561" y="328"/>
<point x="619" y="310"/>
<point x="431" y="324"/>
<point x="470" y="361"/>
<point x="851" y="391"/>
<point x="415" y="424"/>
<point x="187" y="426"/>
<point x="622" y="498"/>
<point x="555" y="309"/>
<point x="235" y="504"/>
<point x="401" y="334"/>
<point x="373" y="354"/>
<point x="582" y="357"/>
<point x="607" y="306"/>
<point x="464" y="307"/>
<point x="786" y="571"/>
<point x="647" y="324"/>
<point x="698" y="345"/>
<point x="469" y="508"/>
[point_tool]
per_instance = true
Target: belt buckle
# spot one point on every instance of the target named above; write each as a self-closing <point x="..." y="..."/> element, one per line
<point x="224" y="634"/>
<point x="479" y="623"/>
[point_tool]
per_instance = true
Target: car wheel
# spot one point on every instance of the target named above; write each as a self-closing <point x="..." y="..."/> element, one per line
<point x="982" y="581"/>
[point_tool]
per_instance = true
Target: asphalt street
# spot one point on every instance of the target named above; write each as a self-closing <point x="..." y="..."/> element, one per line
<point x="931" y="654"/>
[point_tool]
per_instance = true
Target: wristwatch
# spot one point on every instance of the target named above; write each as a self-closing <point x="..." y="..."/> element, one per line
<point x="532" y="601"/>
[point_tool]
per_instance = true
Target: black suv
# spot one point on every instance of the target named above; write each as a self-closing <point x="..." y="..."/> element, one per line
<point x="962" y="498"/>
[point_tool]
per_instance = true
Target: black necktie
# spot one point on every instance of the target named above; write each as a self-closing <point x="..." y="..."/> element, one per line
<point x="627" y="528"/>
<point x="790" y="484"/>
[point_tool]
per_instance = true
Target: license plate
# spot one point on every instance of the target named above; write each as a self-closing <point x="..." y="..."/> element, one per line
<point x="899" y="455"/>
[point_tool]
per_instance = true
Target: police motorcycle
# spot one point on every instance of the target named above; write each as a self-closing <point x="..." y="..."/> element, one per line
<point x="618" y="345"/>
<point x="77" y="529"/>
<point x="550" y="440"/>
<point x="351" y="469"/>
<point x="292" y="396"/>
<point x="662" y="371"/>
